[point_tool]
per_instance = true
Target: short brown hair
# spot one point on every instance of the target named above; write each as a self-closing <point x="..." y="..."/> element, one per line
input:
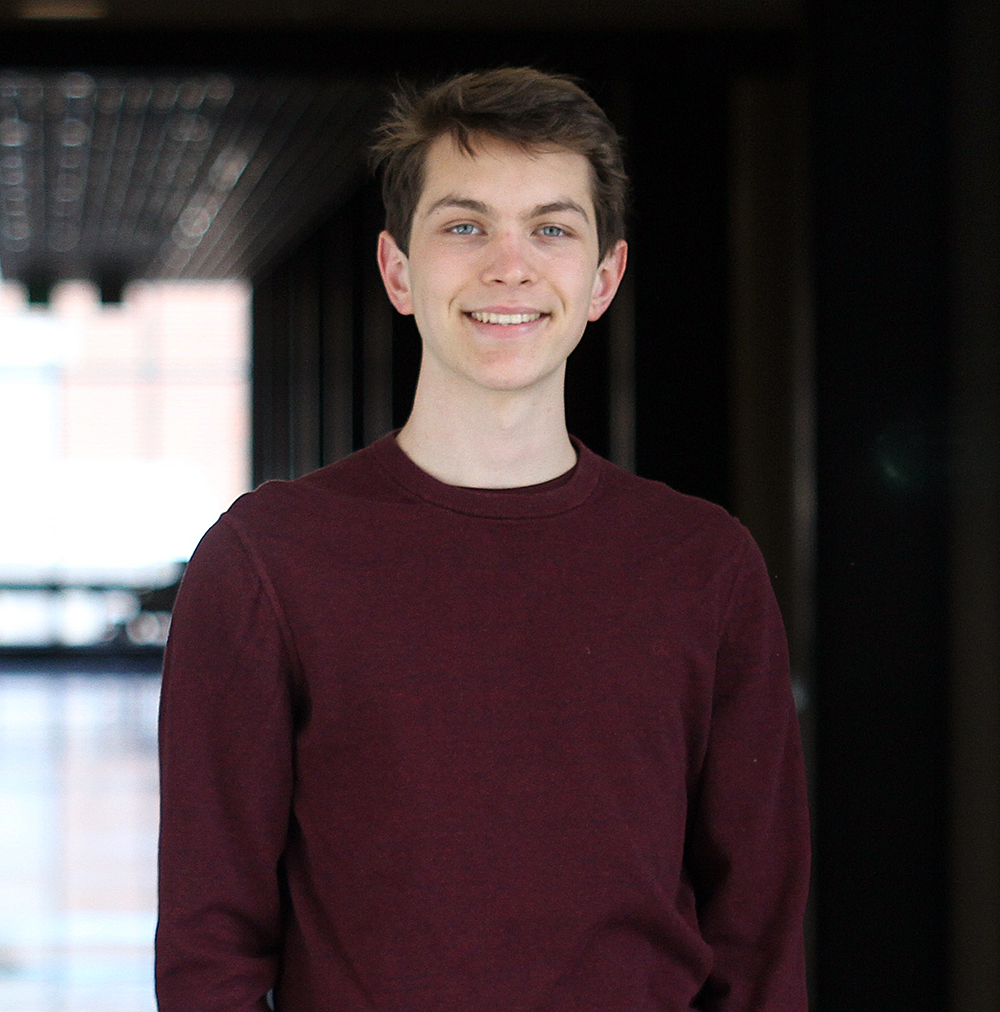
<point x="518" y="104"/>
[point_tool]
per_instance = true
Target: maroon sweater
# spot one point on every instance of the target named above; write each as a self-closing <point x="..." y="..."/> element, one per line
<point x="427" y="748"/>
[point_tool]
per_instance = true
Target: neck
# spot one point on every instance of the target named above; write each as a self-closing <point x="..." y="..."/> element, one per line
<point x="502" y="439"/>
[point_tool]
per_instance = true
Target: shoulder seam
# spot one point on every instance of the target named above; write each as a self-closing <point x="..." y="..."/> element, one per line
<point x="268" y="587"/>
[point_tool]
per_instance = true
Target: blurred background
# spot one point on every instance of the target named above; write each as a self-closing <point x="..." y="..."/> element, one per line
<point x="808" y="334"/>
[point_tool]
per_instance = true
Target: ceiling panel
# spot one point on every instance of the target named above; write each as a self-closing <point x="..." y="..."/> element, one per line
<point x="205" y="175"/>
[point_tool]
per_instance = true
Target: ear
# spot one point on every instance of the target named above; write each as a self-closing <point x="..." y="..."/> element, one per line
<point x="609" y="276"/>
<point x="395" y="269"/>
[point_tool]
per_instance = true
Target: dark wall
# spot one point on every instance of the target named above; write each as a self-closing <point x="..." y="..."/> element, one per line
<point x="323" y="348"/>
<point x="882" y="553"/>
<point x="890" y="141"/>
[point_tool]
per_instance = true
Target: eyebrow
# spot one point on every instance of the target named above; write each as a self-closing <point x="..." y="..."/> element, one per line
<point x="463" y="202"/>
<point x="468" y="204"/>
<point x="557" y="206"/>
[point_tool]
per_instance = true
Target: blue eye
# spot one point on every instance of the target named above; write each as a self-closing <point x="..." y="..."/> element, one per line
<point x="552" y="231"/>
<point x="464" y="229"/>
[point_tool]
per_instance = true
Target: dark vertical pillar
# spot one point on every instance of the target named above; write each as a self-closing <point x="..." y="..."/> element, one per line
<point x="269" y="380"/>
<point x="881" y="190"/>
<point x="678" y="158"/>
<point x="771" y="382"/>
<point x="975" y="709"/>
<point x="340" y="270"/>
<point x="377" y="330"/>
<point x="305" y="340"/>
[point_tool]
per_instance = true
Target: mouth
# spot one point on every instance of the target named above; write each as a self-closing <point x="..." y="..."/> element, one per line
<point x="505" y="319"/>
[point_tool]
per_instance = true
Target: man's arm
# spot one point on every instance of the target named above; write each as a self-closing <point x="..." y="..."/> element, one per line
<point x="748" y="843"/>
<point x="226" y="779"/>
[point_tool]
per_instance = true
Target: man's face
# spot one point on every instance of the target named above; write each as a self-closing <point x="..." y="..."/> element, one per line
<point x="503" y="270"/>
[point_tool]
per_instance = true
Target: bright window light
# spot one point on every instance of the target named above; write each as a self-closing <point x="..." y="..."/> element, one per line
<point x="126" y="435"/>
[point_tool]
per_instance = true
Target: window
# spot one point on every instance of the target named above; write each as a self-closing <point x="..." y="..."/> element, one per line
<point x="125" y="435"/>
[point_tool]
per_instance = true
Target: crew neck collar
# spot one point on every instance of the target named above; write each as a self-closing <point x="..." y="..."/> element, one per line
<point x="547" y="499"/>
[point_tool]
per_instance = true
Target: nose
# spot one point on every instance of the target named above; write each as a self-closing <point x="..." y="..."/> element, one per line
<point x="509" y="261"/>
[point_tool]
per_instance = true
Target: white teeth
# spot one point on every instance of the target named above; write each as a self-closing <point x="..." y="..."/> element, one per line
<point x="505" y="319"/>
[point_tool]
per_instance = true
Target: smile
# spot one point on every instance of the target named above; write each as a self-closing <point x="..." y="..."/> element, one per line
<point x="505" y="319"/>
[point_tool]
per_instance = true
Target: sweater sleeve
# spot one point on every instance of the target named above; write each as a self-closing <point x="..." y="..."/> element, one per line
<point x="226" y="781"/>
<point x="748" y="844"/>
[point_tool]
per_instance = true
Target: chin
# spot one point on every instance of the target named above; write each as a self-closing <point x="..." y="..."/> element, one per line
<point x="511" y="384"/>
<point x="511" y="373"/>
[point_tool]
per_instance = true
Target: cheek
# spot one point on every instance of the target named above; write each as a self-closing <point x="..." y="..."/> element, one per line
<point x="439" y="286"/>
<point x="583" y="302"/>
<point x="431" y="306"/>
<point x="433" y="299"/>
<point x="578" y="280"/>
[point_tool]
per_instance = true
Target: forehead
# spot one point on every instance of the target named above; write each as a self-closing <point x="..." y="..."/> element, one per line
<point x="503" y="174"/>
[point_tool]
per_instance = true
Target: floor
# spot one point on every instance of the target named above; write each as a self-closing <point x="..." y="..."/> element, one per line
<point x="78" y="796"/>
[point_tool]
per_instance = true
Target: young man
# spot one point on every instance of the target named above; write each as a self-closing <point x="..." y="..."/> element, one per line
<point x="473" y="719"/>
